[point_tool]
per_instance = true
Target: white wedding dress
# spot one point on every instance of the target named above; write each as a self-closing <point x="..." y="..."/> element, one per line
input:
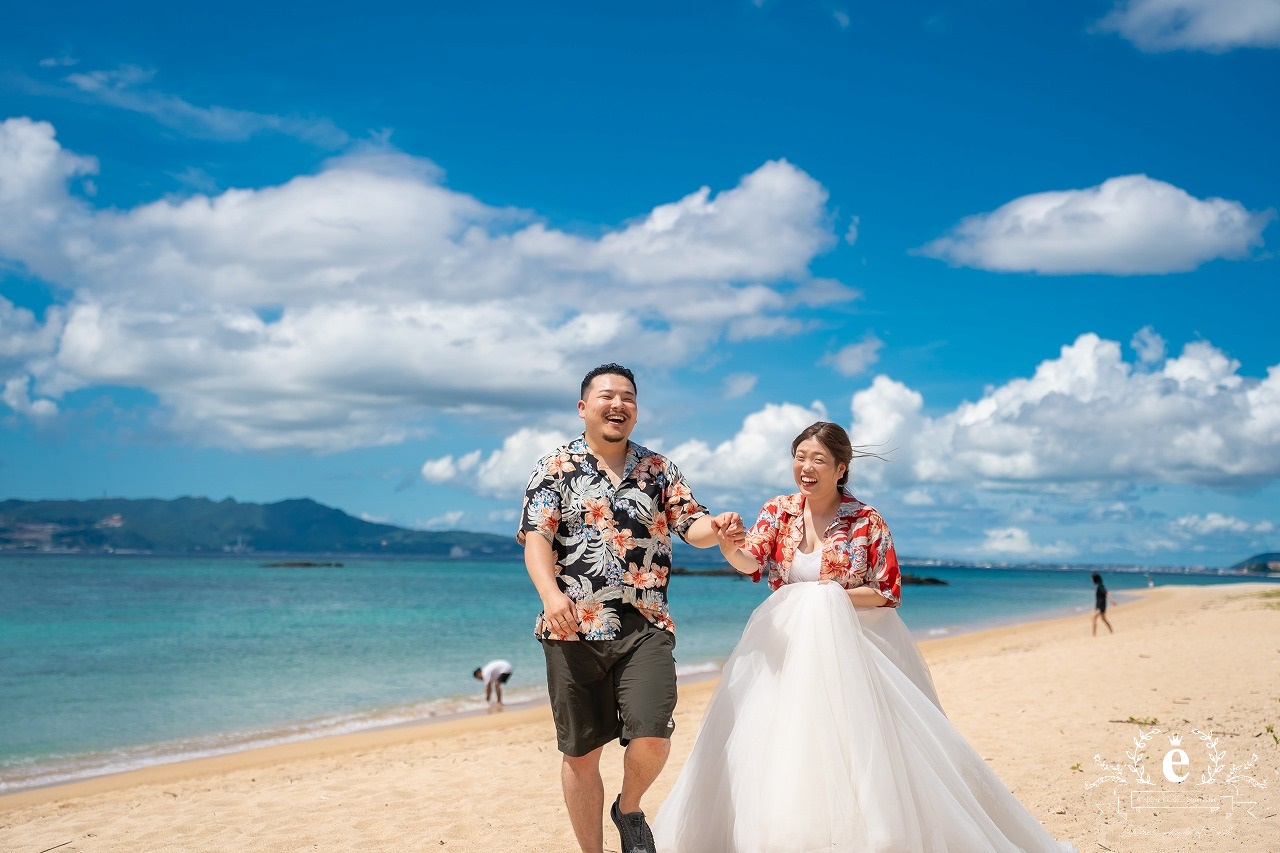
<point x="825" y="733"/>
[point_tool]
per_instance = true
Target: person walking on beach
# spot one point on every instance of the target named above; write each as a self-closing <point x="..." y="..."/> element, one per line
<point x="1100" y="599"/>
<point x="824" y="731"/>
<point x="494" y="674"/>
<point x="596" y="528"/>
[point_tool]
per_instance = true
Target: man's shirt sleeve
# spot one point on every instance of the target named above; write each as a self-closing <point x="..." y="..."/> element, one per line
<point x="681" y="507"/>
<point x="540" y="512"/>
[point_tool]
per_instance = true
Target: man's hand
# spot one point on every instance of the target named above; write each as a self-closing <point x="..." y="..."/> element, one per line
<point x="560" y="613"/>
<point x="729" y="530"/>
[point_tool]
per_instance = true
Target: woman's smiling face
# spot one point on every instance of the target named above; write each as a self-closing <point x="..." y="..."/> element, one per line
<point x="815" y="469"/>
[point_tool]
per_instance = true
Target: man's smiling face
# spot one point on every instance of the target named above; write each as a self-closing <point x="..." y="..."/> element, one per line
<point x="609" y="409"/>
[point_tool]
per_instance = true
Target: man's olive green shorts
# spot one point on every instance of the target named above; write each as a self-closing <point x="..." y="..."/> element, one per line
<point x="606" y="689"/>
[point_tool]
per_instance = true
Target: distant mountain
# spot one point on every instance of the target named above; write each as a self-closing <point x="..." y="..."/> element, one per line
<point x="1259" y="563"/>
<point x="199" y="525"/>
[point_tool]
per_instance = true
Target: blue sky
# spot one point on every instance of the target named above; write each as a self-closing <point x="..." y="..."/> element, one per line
<point x="274" y="252"/>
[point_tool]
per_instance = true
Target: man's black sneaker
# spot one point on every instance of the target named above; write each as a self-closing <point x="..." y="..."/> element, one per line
<point x="633" y="830"/>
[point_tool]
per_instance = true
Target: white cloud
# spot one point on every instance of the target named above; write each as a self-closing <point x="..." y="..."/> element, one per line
<point x="1116" y="511"/>
<point x="27" y="347"/>
<point x="446" y="521"/>
<point x="918" y="497"/>
<point x="1131" y="225"/>
<point x="1086" y="416"/>
<point x="841" y="18"/>
<point x="1215" y="523"/>
<point x="345" y="308"/>
<point x="1081" y="443"/>
<point x="445" y="469"/>
<point x="1209" y="25"/>
<point x="851" y="234"/>
<point x="504" y="473"/>
<point x="1149" y="346"/>
<point x="739" y="385"/>
<point x="125" y="88"/>
<point x="22" y="336"/>
<point x="17" y="398"/>
<point x="757" y="457"/>
<point x="58" y="62"/>
<point x="1001" y="542"/>
<point x="856" y="358"/>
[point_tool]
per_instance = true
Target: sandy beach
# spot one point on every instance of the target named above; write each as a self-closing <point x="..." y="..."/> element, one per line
<point x="1038" y="701"/>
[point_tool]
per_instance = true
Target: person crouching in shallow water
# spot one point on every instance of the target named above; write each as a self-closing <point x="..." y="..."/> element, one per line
<point x="596" y="529"/>
<point x="494" y="674"/>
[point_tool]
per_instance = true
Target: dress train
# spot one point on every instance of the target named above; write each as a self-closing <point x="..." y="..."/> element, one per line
<point x="825" y="733"/>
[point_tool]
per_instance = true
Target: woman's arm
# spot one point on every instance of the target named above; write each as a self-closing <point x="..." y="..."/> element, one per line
<point x="743" y="562"/>
<point x="730" y="541"/>
<point x="865" y="596"/>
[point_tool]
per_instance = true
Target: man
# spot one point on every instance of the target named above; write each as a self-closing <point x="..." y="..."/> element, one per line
<point x="601" y="510"/>
<point x="494" y="674"/>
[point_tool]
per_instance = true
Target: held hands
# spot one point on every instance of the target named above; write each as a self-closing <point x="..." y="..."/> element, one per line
<point x="730" y="534"/>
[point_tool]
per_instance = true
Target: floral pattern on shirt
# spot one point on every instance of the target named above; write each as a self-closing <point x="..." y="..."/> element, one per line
<point x="612" y="544"/>
<point x="857" y="549"/>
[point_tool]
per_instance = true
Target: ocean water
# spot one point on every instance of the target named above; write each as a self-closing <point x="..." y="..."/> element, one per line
<point x="111" y="663"/>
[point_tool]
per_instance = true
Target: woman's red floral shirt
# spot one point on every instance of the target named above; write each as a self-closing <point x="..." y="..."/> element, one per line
<point x="857" y="549"/>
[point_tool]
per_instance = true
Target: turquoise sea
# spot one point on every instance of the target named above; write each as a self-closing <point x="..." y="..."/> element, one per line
<point x="115" y="662"/>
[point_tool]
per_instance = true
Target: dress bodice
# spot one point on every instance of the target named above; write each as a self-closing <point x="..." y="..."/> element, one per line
<point x="806" y="568"/>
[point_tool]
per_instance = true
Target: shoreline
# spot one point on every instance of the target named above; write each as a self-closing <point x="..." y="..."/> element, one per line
<point x="445" y="725"/>
<point x="1038" y="700"/>
<point x="154" y="757"/>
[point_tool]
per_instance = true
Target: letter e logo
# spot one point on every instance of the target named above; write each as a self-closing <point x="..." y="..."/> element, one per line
<point x="1176" y="758"/>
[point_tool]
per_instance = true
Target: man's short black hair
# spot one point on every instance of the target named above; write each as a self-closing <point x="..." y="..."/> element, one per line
<point x="609" y="369"/>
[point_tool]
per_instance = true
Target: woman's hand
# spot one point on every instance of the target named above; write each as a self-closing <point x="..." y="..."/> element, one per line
<point x="730" y="534"/>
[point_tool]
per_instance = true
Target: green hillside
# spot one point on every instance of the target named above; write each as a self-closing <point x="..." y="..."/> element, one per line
<point x="199" y="525"/>
<point x="1259" y="563"/>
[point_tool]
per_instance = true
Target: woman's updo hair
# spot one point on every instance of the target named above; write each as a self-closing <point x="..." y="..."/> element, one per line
<point x="834" y="439"/>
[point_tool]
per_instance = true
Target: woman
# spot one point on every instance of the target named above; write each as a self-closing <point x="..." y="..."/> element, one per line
<point x="824" y="732"/>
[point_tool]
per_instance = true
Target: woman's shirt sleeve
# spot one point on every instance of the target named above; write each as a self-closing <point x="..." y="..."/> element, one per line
<point x="762" y="539"/>
<point x="883" y="574"/>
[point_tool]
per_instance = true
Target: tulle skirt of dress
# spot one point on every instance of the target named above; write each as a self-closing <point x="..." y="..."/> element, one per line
<point x="825" y="733"/>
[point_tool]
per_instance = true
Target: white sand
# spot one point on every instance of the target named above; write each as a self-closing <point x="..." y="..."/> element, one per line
<point x="1036" y="700"/>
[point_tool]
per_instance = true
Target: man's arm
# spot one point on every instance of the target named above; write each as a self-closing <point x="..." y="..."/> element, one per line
<point x="558" y="609"/>
<point x="705" y="531"/>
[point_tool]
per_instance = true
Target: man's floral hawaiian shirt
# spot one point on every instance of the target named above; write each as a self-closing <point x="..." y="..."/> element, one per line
<point x="612" y="544"/>
<point x="857" y="549"/>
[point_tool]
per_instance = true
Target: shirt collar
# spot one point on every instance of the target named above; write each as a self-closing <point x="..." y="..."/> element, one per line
<point x="579" y="445"/>
<point x="849" y="505"/>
